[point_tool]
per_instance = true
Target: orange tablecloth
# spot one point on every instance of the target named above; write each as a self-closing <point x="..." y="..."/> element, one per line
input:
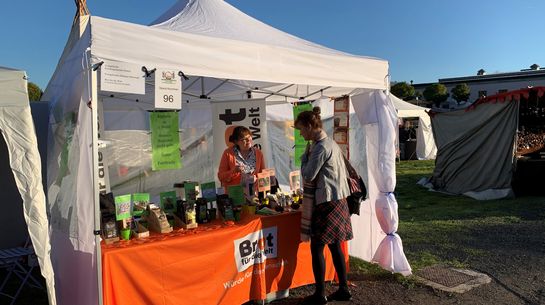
<point x="215" y="264"/>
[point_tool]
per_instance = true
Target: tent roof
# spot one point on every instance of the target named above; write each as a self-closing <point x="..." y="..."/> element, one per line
<point x="13" y="87"/>
<point x="217" y="18"/>
<point x="225" y="58"/>
<point x="405" y="109"/>
<point x="211" y="38"/>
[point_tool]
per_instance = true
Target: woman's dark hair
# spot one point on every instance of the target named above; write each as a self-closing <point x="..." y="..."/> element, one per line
<point x="239" y="132"/>
<point x="310" y="118"/>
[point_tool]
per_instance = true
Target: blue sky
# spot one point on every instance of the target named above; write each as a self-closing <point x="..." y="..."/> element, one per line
<point x="422" y="39"/>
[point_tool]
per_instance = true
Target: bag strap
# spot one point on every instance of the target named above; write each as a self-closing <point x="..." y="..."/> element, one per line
<point x="351" y="171"/>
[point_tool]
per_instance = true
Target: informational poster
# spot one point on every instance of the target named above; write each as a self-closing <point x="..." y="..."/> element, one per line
<point x="165" y="141"/>
<point x="168" y="89"/>
<point x="122" y="77"/>
<point x="123" y="208"/>
<point x="229" y="114"/>
<point x="300" y="143"/>
<point x="341" y="123"/>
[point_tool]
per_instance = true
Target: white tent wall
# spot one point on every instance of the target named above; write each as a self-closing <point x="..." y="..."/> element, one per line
<point x="296" y="72"/>
<point x="70" y="176"/>
<point x="18" y="131"/>
<point x="425" y="144"/>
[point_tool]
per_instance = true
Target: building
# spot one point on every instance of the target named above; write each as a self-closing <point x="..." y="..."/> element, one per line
<point x="484" y="84"/>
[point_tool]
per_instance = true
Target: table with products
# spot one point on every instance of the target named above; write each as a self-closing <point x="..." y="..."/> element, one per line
<point x="217" y="263"/>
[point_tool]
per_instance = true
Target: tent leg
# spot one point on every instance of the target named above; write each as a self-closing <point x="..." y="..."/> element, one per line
<point x="96" y="195"/>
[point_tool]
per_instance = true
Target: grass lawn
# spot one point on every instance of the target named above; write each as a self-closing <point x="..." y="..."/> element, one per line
<point x="434" y="227"/>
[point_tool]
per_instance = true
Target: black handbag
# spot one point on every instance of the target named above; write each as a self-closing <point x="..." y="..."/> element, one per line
<point x="358" y="191"/>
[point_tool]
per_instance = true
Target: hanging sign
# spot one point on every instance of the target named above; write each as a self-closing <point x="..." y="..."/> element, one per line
<point x="248" y="113"/>
<point x="122" y="77"/>
<point x="168" y="89"/>
<point x="300" y="142"/>
<point x="165" y="141"/>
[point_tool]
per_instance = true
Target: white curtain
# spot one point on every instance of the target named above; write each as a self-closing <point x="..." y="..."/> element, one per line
<point x="377" y="113"/>
<point x="17" y="127"/>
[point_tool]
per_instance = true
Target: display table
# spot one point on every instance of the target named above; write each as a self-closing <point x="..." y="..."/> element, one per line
<point x="214" y="264"/>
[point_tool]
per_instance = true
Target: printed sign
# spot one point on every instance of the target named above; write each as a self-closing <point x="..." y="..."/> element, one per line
<point x="227" y="115"/>
<point x="168" y="89"/>
<point x="122" y="77"/>
<point x="165" y="141"/>
<point x="255" y="248"/>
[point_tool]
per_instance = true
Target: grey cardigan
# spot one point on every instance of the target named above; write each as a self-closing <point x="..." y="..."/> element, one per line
<point x="325" y="165"/>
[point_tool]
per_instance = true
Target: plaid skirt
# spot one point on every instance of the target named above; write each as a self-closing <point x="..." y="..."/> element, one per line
<point x="331" y="222"/>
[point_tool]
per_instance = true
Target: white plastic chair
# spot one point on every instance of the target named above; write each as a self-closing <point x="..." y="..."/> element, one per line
<point x="13" y="260"/>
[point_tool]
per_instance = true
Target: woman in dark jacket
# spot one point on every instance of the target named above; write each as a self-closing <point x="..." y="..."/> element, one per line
<point x="325" y="179"/>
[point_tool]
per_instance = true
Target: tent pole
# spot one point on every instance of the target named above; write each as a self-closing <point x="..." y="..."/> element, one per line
<point x="96" y="196"/>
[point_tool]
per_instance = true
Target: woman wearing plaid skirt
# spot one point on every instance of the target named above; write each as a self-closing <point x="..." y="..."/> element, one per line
<point x="325" y="219"/>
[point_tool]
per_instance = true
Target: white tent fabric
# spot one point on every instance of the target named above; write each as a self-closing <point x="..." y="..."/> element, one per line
<point x="425" y="144"/>
<point x="17" y="128"/>
<point x="376" y="111"/>
<point x="220" y="67"/>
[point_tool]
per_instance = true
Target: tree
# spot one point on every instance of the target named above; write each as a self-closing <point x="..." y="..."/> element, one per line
<point x="437" y="93"/>
<point x="402" y="90"/>
<point x="34" y="92"/>
<point x="460" y="92"/>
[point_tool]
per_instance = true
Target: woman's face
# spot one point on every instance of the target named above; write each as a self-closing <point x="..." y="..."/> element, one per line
<point x="305" y="131"/>
<point x="245" y="143"/>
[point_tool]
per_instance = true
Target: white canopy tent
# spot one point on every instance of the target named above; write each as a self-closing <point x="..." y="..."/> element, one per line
<point x="227" y="56"/>
<point x="425" y="144"/>
<point x="17" y="128"/>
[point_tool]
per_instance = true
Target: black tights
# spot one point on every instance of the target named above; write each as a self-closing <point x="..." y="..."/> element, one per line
<point x="318" y="264"/>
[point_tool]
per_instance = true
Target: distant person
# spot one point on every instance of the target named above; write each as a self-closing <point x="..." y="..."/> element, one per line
<point x="241" y="162"/>
<point x="325" y="189"/>
<point x="403" y="138"/>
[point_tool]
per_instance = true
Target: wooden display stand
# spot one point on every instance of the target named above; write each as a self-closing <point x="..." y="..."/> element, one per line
<point x="178" y="223"/>
<point x="158" y="222"/>
<point x="140" y="231"/>
<point x="111" y="240"/>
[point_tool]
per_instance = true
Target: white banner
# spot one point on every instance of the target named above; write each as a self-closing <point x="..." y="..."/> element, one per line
<point x="229" y="114"/>
<point x="122" y="77"/>
<point x="103" y="172"/>
<point x="255" y="248"/>
<point x="168" y="89"/>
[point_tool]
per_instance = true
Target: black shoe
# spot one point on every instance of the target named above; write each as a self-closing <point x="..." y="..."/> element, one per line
<point x="340" y="295"/>
<point x="314" y="299"/>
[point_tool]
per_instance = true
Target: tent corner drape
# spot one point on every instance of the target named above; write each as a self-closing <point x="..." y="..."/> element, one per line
<point x="376" y="111"/>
